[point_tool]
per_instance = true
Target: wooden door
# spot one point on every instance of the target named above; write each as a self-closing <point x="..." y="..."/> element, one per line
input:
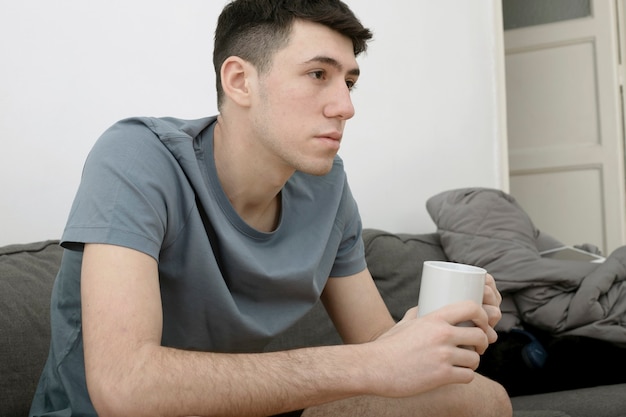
<point x="565" y="125"/>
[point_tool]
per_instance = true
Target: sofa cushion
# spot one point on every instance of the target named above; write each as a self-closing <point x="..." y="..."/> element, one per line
<point x="395" y="262"/>
<point x="26" y="276"/>
<point x="605" y="401"/>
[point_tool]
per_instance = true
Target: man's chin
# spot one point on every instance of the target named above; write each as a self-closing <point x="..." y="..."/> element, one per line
<point x="317" y="170"/>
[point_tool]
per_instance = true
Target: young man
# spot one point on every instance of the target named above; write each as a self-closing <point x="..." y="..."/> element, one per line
<point x="192" y="243"/>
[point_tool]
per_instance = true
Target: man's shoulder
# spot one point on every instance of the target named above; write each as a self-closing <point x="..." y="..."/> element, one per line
<point x="148" y="135"/>
<point x="166" y="127"/>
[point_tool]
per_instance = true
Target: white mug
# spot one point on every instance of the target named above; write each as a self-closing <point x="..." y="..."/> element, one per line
<point x="444" y="283"/>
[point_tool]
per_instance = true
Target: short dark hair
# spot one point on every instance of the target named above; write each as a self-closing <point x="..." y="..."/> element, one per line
<point x="255" y="29"/>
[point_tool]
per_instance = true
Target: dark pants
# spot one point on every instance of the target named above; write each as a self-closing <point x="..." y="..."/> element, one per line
<point x="296" y="413"/>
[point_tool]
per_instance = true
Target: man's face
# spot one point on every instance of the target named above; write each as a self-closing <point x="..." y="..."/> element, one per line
<point x="304" y="100"/>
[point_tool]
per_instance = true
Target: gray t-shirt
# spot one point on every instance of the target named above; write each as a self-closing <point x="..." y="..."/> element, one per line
<point x="151" y="184"/>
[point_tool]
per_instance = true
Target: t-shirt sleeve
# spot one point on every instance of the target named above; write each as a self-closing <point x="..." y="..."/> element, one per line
<point x="126" y="186"/>
<point x="351" y="252"/>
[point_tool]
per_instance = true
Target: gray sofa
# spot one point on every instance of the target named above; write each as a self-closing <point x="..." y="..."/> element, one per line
<point x="27" y="273"/>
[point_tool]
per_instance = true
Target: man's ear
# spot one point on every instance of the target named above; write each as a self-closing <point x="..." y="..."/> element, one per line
<point x="235" y="75"/>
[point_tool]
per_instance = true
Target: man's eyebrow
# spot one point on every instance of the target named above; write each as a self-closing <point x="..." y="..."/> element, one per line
<point x="333" y="62"/>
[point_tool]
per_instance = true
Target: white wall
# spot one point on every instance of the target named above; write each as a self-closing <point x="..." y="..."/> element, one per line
<point x="429" y="102"/>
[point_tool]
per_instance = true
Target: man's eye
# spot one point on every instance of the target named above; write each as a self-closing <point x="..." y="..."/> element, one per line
<point x="318" y="75"/>
<point x="351" y="84"/>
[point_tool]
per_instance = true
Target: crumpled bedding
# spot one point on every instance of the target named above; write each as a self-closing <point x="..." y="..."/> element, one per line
<point x="488" y="228"/>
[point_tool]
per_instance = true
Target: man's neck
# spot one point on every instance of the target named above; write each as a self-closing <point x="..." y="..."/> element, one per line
<point x="251" y="184"/>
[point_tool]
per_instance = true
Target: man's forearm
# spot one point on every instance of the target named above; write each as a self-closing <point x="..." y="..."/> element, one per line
<point x="164" y="381"/>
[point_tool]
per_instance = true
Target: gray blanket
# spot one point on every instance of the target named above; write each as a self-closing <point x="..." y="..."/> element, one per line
<point x="488" y="228"/>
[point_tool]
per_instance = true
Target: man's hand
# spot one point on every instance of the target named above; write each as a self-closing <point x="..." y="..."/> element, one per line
<point x="491" y="303"/>
<point x="421" y="354"/>
<point x="418" y="359"/>
<point x="414" y="355"/>
<point x="436" y="349"/>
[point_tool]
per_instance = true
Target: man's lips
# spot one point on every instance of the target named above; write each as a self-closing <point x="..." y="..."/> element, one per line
<point x="336" y="136"/>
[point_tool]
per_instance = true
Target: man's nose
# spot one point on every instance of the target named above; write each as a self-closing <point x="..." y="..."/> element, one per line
<point x="340" y="104"/>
